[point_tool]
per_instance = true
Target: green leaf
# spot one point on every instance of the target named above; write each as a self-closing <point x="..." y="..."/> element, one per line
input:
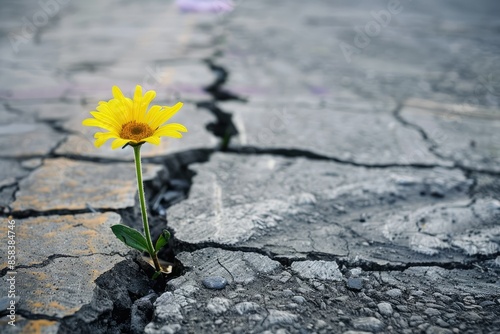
<point x="130" y="237"/>
<point x="162" y="240"/>
<point x="156" y="275"/>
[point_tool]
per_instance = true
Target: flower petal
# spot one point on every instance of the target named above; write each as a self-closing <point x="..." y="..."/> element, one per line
<point x="152" y="140"/>
<point x="97" y="123"/>
<point x="102" y="137"/>
<point x="137" y="104"/>
<point x="165" y="115"/>
<point x="152" y="113"/>
<point x="146" y="100"/>
<point x="113" y="112"/>
<point x="117" y="93"/>
<point x="167" y="133"/>
<point x="174" y="127"/>
<point x="108" y="119"/>
<point x="119" y="142"/>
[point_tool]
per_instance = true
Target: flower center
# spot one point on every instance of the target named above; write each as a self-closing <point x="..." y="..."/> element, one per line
<point x="135" y="131"/>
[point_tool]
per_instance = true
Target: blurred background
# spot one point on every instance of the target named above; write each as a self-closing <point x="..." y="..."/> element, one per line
<point x="60" y="57"/>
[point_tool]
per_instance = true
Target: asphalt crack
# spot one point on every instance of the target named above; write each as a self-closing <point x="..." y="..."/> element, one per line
<point x="431" y="144"/>
<point x="32" y="316"/>
<point x="224" y="127"/>
<point x="344" y="261"/>
<point x="297" y="153"/>
<point x="53" y="257"/>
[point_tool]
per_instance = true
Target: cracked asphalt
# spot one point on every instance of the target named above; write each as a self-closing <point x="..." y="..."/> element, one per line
<point x="341" y="173"/>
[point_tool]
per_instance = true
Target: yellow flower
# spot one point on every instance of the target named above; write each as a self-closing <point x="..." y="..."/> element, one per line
<point x="130" y="122"/>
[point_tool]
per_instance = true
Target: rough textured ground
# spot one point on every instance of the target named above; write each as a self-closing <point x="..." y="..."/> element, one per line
<point x="340" y="174"/>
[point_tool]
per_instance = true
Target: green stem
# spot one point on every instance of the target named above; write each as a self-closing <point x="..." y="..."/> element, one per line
<point x="142" y="201"/>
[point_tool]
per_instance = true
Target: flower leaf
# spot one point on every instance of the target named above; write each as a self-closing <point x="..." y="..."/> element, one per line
<point x="162" y="240"/>
<point x="130" y="237"/>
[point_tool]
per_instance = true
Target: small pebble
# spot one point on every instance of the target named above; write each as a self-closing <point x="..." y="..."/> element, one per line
<point x="394" y="293"/>
<point x="385" y="308"/>
<point x="215" y="282"/>
<point x="402" y="308"/>
<point x="432" y="311"/>
<point x="442" y="323"/>
<point x="437" y="330"/>
<point x="304" y="290"/>
<point x="487" y="303"/>
<point x="473" y="316"/>
<point x="320" y="324"/>
<point x="356" y="272"/>
<point x="355" y="284"/>
<point x="417" y="293"/>
<point x="368" y="324"/>
<point x="299" y="299"/>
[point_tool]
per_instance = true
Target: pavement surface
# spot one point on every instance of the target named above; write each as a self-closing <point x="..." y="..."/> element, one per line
<point x="341" y="173"/>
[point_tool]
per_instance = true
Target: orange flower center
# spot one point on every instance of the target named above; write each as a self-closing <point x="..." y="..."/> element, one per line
<point x="135" y="131"/>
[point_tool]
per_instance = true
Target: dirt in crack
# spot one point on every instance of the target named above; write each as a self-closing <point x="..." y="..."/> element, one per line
<point x="224" y="127"/>
<point x="122" y="302"/>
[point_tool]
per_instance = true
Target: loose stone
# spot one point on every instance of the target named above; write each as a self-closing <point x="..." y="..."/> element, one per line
<point x="385" y="308"/>
<point x="218" y="305"/>
<point x="320" y="324"/>
<point x="299" y="299"/>
<point x="394" y="293"/>
<point x="402" y="308"/>
<point x="355" y="284"/>
<point x="215" y="282"/>
<point x="281" y="317"/>
<point x="368" y="324"/>
<point x="437" y="330"/>
<point x="442" y="323"/>
<point x="246" y="307"/>
<point x="487" y="303"/>
<point x="432" y="311"/>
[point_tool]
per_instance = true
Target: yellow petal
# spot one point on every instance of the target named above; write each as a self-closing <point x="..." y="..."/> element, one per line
<point x="97" y="123"/>
<point x="138" y="93"/>
<point x="149" y="96"/>
<point x="117" y="93"/>
<point x="168" y="133"/>
<point x="152" y="140"/>
<point x="137" y="104"/>
<point x="146" y="100"/>
<point x="119" y="142"/>
<point x="111" y="134"/>
<point x="102" y="137"/>
<point x="122" y="109"/>
<point x="152" y="113"/>
<point x="107" y="118"/>
<point x="165" y="115"/>
<point x="173" y="127"/>
<point x="115" y="113"/>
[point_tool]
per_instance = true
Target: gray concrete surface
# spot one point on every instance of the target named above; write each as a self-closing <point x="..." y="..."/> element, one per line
<point x="340" y="174"/>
